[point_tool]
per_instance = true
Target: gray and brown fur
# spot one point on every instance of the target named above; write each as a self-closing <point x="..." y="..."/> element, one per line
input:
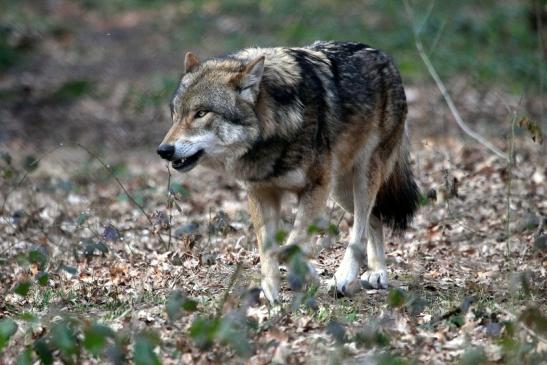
<point x="318" y="121"/>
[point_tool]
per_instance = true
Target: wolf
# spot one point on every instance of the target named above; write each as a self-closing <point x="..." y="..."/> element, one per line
<point x="322" y="120"/>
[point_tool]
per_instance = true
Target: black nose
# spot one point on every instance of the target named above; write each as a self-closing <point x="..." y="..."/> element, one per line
<point x="166" y="151"/>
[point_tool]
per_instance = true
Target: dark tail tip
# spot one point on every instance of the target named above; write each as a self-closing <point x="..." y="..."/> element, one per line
<point x="398" y="198"/>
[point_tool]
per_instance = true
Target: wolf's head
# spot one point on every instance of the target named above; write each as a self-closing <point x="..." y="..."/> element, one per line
<point x="212" y="112"/>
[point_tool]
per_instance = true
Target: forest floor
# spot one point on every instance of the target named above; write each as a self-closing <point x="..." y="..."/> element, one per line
<point x="98" y="261"/>
<point x="460" y="286"/>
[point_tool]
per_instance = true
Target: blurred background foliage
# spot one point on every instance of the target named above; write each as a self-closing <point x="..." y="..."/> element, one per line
<point x="127" y="54"/>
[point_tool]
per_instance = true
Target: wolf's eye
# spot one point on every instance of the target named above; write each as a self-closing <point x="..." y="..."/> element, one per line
<point x="200" y="114"/>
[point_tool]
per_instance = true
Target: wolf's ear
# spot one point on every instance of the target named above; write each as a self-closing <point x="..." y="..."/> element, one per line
<point x="190" y="61"/>
<point x="251" y="76"/>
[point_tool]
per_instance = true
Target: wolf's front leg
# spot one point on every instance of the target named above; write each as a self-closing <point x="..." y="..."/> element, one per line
<point x="311" y="204"/>
<point x="264" y="206"/>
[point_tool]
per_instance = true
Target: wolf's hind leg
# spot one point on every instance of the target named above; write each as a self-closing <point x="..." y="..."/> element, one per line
<point x="346" y="274"/>
<point x="376" y="274"/>
<point x="365" y="184"/>
<point x="264" y="206"/>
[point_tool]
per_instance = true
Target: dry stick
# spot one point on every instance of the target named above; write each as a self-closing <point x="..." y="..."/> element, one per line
<point x="233" y="279"/>
<point x="169" y="204"/>
<point x="109" y="169"/>
<point x="444" y="92"/>
<point x="542" y="53"/>
<point x="510" y="164"/>
<point x="541" y="225"/>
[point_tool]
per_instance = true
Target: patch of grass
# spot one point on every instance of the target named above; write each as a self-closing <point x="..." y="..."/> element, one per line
<point x="121" y="5"/>
<point x="72" y="90"/>
<point x="43" y="298"/>
<point x="341" y="309"/>
<point x="157" y="93"/>
<point x="114" y="309"/>
<point x="10" y="94"/>
<point x="9" y="56"/>
<point x="488" y="41"/>
<point x="325" y="314"/>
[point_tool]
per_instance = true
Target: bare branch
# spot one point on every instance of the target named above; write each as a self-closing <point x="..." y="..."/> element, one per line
<point x="444" y="92"/>
<point x="23" y="178"/>
<point x="129" y="196"/>
<point x="170" y="199"/>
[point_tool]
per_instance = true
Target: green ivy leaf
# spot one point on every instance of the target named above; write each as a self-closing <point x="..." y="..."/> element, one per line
<point x="143" y="351"/>
<point x="177" y="302"/>
<point x="37" y="257"/>
<point x="42" y="278"/>
<point x="101" y="247"/>
<point x="458" y="320"/>
<point x="7" y="173"/>
<point x="30" y="163"/>
<point x="116" y="354"/>
<point x="82" y="218"/>
<point x="313" y="229"/>
<point x="473" y="356"/>
<point x="203" y="331"/>
<point x="8" y="327"/>
<point x="337" y="331"/>
<point x="95" y="338"/>
<point x="43" y="350"/>
<point x="22" y="288"/>
<point x="64" y="338"/>
<point x="396" y="298"/>
<point x="25" y="358"/>
<point x="232" y="332"/>
<point x="280" y="236"/>
<point x="332" y="230"/>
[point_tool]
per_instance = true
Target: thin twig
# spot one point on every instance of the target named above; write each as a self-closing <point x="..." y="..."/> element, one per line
<point x="509" y="180"/>
<point x="444" y="92"/>
<point x="23" y="178"/>
<point x="542" y="54"/>
<point x="169" y="205"/>
<point x="426" y="17"/>
<point x="233" y="279"/>
<point x="129" y="196"/>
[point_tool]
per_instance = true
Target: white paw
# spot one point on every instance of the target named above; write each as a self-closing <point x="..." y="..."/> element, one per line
<point x="375" y="279"/>
<point x="270" y="288"/>
<point x="345" y="279"/>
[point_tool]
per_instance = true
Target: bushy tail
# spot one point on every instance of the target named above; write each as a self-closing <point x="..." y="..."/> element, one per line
<point x="399" y="196"/>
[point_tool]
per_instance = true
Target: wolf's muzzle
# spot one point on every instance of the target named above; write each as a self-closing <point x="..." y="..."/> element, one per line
<point x="166" y="151"/>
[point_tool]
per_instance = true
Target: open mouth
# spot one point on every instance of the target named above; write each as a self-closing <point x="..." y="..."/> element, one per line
<point x="187" y="163"/>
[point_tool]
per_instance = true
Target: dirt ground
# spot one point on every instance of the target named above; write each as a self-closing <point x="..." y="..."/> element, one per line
<point x="463" y="278"/>
<point x="465" y="286"/>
